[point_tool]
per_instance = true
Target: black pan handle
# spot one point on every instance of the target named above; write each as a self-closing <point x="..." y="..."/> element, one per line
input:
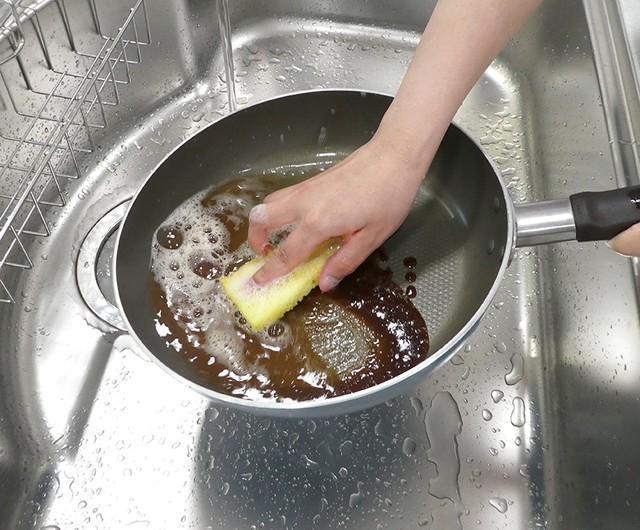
<point x="602" y="215"/>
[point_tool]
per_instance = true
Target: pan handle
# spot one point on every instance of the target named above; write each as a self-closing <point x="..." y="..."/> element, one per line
<point x="587" y="216"/>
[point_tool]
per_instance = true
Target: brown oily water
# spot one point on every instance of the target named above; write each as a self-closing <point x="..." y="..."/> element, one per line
<point x="364" y="332"/>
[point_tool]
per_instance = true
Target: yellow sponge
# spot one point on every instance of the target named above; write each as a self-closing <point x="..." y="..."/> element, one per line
<point x="262" y="306"/>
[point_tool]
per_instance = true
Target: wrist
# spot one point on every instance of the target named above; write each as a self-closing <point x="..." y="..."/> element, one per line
<point x="413" y="144"/>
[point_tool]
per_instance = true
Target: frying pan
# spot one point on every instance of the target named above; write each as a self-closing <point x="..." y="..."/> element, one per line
<point x="462" y="229"/>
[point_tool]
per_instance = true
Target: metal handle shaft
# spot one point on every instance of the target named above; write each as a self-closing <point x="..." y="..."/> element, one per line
<point x="538" y="223"/>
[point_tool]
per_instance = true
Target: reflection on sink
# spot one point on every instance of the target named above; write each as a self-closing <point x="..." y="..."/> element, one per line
<point x="93" y="435"/>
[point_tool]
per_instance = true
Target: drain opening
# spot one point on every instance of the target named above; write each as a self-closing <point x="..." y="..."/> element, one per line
<point x="94" y="267"/>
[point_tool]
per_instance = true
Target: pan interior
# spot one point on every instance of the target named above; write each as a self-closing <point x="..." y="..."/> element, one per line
<point x="456" y="230"/>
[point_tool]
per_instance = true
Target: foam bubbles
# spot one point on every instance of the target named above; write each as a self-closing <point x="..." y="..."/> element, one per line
<point x="223" y="341"/>
<point x="191" y="251"/>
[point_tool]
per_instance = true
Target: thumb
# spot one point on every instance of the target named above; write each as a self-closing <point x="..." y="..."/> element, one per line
<point x="627" y="243"/>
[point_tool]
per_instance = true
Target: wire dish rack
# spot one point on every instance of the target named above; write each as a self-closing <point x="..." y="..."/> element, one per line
<point x="56" y="95"/>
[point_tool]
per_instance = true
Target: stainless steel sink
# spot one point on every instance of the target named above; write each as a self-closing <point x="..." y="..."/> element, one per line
<point x="532" y="424"/>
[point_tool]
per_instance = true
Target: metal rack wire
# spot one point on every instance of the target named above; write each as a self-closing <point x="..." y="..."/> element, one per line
<point x="39" y="158"/>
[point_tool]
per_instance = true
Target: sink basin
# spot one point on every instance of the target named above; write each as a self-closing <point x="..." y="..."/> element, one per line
<point x="530" y="425"/>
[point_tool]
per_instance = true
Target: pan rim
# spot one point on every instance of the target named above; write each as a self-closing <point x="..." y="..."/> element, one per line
<point x="361" y="399"/>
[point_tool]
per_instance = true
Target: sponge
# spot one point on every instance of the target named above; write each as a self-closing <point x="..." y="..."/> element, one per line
<point x="261" y="306"/>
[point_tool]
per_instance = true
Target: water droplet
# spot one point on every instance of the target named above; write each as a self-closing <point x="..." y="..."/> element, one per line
<point x="346" y="448"/>
<point x="501" y="347"/>
<point x="225" y="488"/>
<point x="457" y="360"/>
<point x="499" y="504"/>
<point x="444" y="424"/>
<point x="517" y="370"/>
<point x="378" y="430"/>
<point x="417" y="405"/>
<point x="343" y="472"/>
<point x="356" y="498"/>
<point x="523" y="471"/>
<point x="408" y="446"/>
<point x="518" y="413"/>
<point x="489" y="140"/>
<point x="497" y="395"/>
<point x="308" y="463"/>
<point x="322" y="137"/>
<point x="467" y="348"/>
<point x="486" y="415"/>
<point x="493" y="451"/>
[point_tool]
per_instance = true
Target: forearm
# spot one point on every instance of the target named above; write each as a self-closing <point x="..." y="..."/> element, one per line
<point x="459" y="42"/>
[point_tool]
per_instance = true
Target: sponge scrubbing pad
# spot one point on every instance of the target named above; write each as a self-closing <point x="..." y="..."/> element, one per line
<point x="261" y="306"/>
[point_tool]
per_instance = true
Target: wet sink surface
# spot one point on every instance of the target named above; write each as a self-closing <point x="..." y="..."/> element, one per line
<point x="530" y="425"/>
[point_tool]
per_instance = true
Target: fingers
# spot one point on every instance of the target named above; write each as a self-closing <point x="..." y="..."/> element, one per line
<point x="287" y="192"/>
<point x="277" y="210"/>
<point x="347" y="259"/>
<point x="265" y="217"/>
<point x="279" y="194"/>
<point x="627" y="243"/>
<point x="293" y="251"/>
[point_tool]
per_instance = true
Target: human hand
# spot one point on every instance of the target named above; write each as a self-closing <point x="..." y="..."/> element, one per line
<point x="363" y="200"/>
<point x="627" y="243"/>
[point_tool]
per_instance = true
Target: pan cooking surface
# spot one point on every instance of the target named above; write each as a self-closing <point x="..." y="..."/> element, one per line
<point x="456" y="232"/>
<point x="365" y="332"/>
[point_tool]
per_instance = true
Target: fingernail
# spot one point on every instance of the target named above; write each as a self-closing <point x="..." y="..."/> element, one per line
<point x="614" y="245"/>
<point x="627" y="243"/>
<point x="251" y="285"/>
<point x="258" y="214"/>
<point x="330" y="282"/>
